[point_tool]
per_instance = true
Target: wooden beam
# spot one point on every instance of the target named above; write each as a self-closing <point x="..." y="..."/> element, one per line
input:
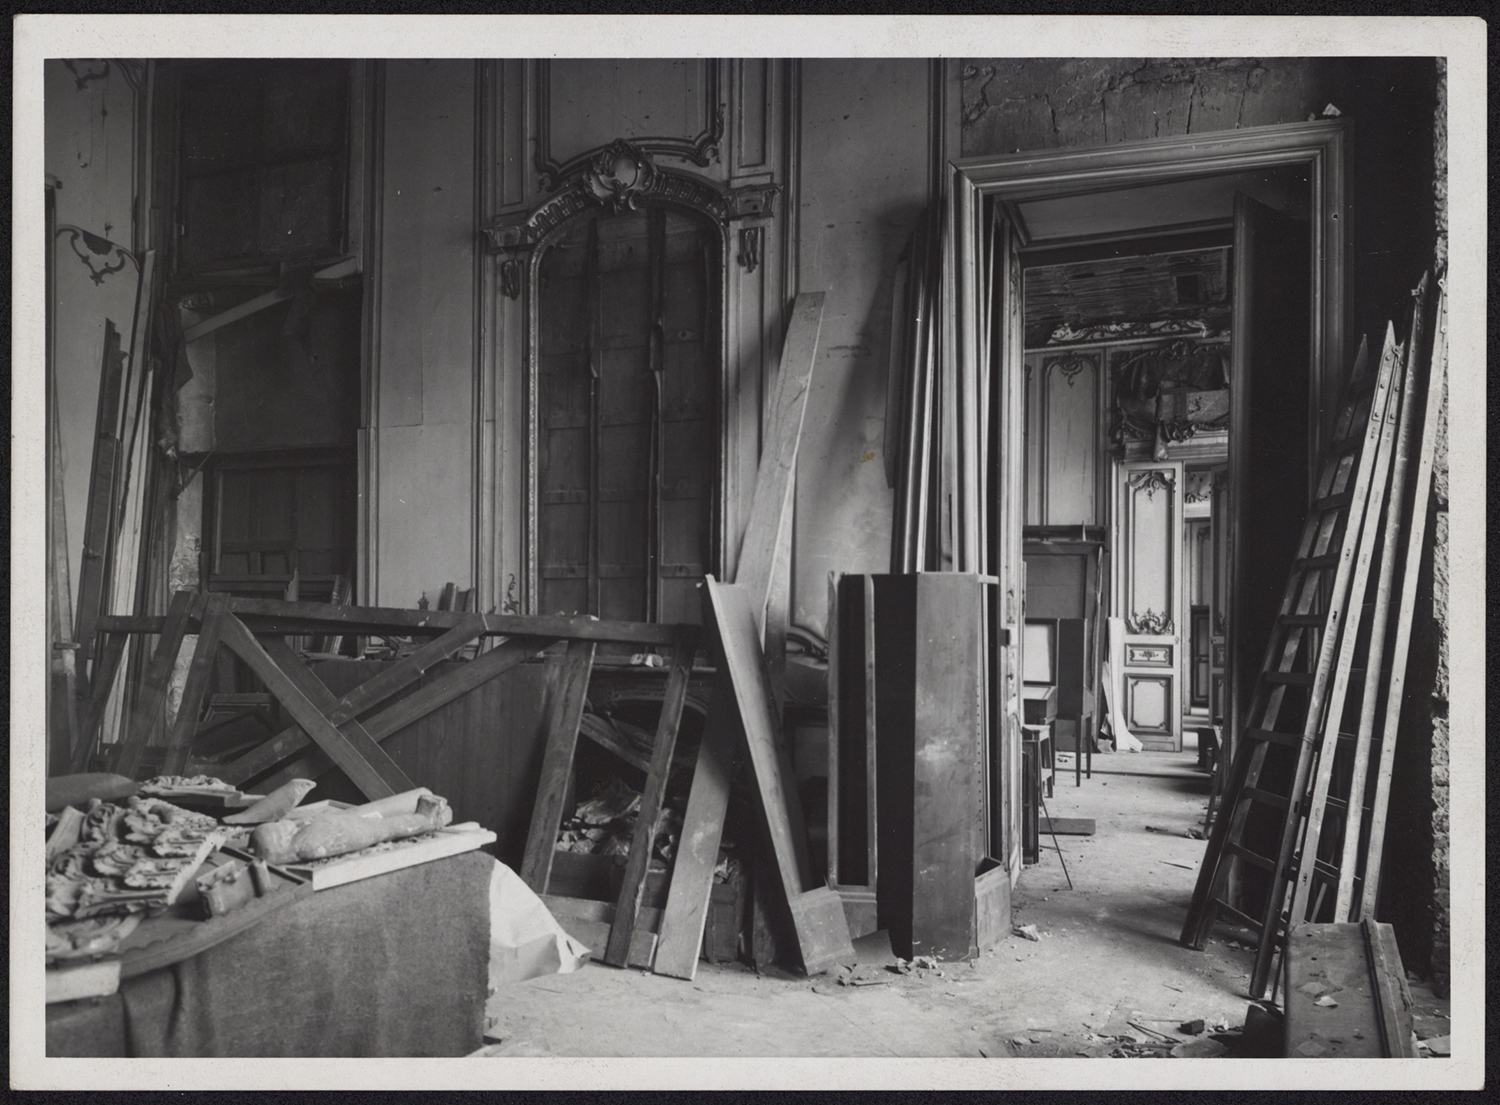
<point x="321" y="697"/>
<point x="368" y="768"/>
<point x="250" y="307"/>
<point x="652" y="797"/>
<point x="98" y="522"/>
<point x="180" y="738"/>
<point x="460" y="681"/>
<point x="697" y="855"/>
<point x="280" y="618"/>
<point x="106" y="667"/>
<point x="766" y="538"/>
<point x="366" y="696"/>
<point x="365" y="619"/>
<point x="817" y="914"/>
<point x="152" y="695"/>
<point x="564" y="712"/>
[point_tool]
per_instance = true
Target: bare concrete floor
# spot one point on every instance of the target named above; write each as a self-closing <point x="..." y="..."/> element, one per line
<point x="1106" y="965"/>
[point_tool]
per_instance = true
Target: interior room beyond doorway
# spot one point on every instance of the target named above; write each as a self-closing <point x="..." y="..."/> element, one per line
<point x="1130" y="332"/>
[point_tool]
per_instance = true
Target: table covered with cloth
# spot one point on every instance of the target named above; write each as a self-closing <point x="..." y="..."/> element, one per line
<point x="396" y="965"/>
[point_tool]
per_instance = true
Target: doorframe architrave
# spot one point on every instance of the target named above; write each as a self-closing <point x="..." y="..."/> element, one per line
<point x="1317" y="146"/>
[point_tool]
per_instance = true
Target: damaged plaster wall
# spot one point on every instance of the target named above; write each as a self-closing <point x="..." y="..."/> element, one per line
<point x="1012" y="104"/>
<point x="1396" y="204"/>
<point x="424" y="364"/>
<point x="863" y="182"/>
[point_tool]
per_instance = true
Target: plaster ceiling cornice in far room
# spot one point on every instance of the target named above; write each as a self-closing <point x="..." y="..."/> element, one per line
<point x="1144" y="254"/>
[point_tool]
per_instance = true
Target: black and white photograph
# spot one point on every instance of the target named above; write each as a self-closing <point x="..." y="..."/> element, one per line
<point x="789" y="552"/>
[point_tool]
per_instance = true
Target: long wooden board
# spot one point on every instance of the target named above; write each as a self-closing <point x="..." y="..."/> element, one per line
<point x="278" y="617"/>
<point x="564" y="712"/>
<point x="1416" y="533"/>
<point x="765" y="530"/>
<point x="817" y="913"/>
<point x="627" y="908"/>
<point x="447" y="842"/>
<point x="152" y="695"/>
<point x="200" y="670"/>
<point x="686" y="910"/>
<point x="106" y="667"/>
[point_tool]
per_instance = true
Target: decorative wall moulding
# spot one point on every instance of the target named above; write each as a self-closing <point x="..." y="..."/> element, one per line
<point x="1153" y="481"/>
<point x="1205" y="329"/>
<point x="701" y="149"/>
<point x="99" y="255"/>
<point x="619" y="177"/>
<point x="1150" y="623"/>
<point x="1071" y="365"/>
<point x="751" y="238"/>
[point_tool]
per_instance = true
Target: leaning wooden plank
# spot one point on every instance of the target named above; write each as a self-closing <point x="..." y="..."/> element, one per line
<point x="152" y="695"/>
<point x="817" y="913"/>
<point x="652" y="797"/>
<point x="180" y="738"/>
<point x="1416" y="533"/>
<point x="564" y="711"/>
<point x="366" y="696"/>
<point x="765" y="537"/>
<point x="590" y="923"/>
<point x="688" y="893"/>
<point x="98" y="522"/>
<point x="106" y="666"/>
<point x="454" y="684"/>
<point x="1390" y="539"/>
<point x="346" y="750"/>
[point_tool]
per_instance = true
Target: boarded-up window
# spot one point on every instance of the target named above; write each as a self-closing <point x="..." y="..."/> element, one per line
<point x="262" y="160"/>
<point x="627" y="443"/>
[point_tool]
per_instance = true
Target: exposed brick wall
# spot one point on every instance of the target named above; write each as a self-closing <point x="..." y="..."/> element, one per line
<point x="1397" y="225"/>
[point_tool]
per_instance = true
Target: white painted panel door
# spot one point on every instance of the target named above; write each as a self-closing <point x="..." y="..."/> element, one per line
<point x="1147" y="542"/>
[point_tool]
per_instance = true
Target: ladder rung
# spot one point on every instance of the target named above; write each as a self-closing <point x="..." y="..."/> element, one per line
<point x="1270" y="736"/>
<point x="1267" y="797"/>
<point x="1236" y="915"/>
<point x="1255" y="859"/>
<point x="1316" y="563"/>
<point x="1289" y="678"/>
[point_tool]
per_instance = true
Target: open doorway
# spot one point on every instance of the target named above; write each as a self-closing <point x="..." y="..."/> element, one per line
<point x="1130" y="332"/>
<point x="1263" y="207"/>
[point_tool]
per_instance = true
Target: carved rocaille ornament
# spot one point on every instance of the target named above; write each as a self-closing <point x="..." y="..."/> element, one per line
<point x="701" y="149"/>
<point x="619" y="177"/>
<point x="1152" y="481"/>
<point x="1149" y="623"/>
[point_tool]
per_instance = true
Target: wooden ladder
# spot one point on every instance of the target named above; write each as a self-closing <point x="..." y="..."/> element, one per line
<point x="1265" y="792"/>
